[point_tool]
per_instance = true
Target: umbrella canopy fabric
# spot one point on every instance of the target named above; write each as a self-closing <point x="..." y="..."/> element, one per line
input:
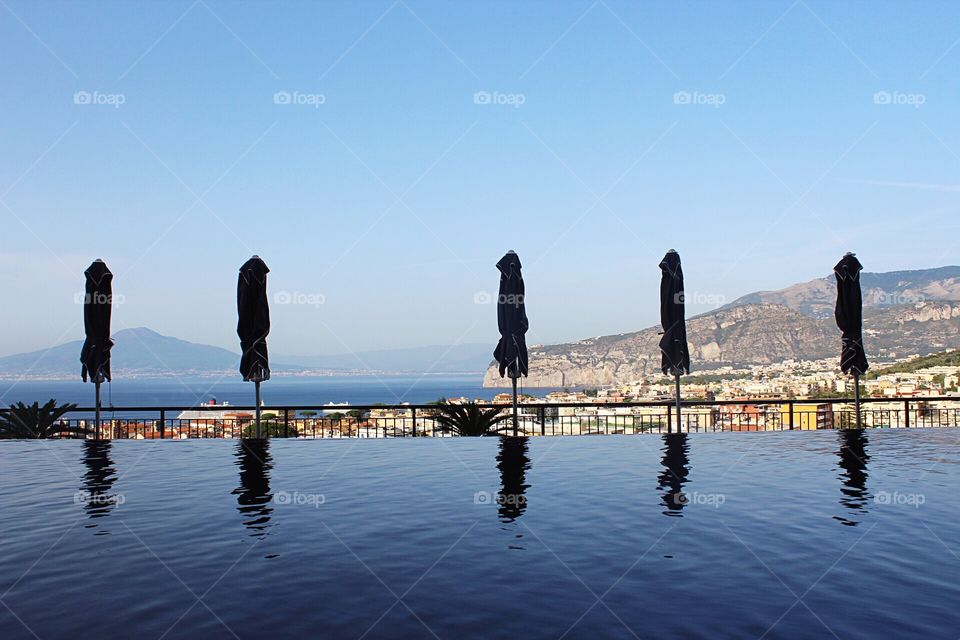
<point x="97" y="304"/>
<point x="849" y="315"/>
<point x="675" y="357"/>
<point x="253" y="324"/>
<point x="511" y="351"/>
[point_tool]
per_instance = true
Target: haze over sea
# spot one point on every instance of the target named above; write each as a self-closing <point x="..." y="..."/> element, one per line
<point x="279" y="391"/>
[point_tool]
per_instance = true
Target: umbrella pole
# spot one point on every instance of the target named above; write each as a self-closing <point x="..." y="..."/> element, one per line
<point x="256" y="385"/>
<point x="856" y="395"/>
<point x="97" y="411"/>
<point x="514" y="380"/>
<point x="678" y="402"/>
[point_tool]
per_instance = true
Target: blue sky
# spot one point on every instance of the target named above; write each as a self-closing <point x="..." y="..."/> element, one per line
<point x="747" y="135"/>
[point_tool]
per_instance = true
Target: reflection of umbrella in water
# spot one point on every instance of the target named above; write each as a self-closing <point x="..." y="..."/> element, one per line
<point x="853" y="465"/>
<point x="98" y="481"/>
<point x="676" y="468"/>
<point x="512" y="461"/>
<point x="253" y="494"/>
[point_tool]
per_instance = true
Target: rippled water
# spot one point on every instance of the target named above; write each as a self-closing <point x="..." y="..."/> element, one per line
<point x="777" y="535"/>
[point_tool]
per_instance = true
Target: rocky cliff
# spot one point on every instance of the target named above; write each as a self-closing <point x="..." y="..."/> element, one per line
<point x="816" y="298"/>
<point x="757" y="333"/>
<point x="905" y="313"/>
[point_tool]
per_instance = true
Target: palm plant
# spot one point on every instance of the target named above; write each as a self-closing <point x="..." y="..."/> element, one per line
<point x="33" y="421"/>
<point x="270" y="429"/>
<point x="468" y="419"/>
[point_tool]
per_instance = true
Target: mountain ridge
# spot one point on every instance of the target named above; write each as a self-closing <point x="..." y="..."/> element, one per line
<point x="816" y="297"/>
<point x="751" y="334"/>
<point x="144" y="352"/>
<point x="905" y="313"/>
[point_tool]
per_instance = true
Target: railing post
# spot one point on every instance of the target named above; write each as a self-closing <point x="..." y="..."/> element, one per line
<point x="669" y="418"/>
<point x="163" y="421"/>
<point x="286" y="423"/>
<point x="906" y="413"/>
<point x="413" y="415"/>
<point x="542" y="415"/>
<point x="791" y="414"/>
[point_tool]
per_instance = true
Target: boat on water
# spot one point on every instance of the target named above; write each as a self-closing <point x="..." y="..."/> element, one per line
<point x="214" y="411"/>
<point x="333" y="407"/>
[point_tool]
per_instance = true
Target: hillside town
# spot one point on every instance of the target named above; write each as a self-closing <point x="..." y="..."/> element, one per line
<point x="787" y="395"/>
<point x="791" y="379"/>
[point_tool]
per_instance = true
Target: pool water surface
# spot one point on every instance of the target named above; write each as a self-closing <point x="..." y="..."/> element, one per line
<point x="841" y="534"/>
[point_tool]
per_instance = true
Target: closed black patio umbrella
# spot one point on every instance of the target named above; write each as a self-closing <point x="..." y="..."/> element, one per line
<point x="849" y="315"/>
<point x="97" y="307"/>
<point x="675" y="357"/>
<point x="253" y="325"/>
<point x="511" y="351"/>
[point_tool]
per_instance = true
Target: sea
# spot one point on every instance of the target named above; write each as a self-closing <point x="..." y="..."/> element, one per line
<point x="277" y="392"/>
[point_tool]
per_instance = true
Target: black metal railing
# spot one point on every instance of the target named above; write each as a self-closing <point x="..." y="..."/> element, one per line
<point x="535" y="418"/>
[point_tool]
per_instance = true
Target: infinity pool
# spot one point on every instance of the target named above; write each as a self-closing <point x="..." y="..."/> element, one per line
<point x="775" y="535"/>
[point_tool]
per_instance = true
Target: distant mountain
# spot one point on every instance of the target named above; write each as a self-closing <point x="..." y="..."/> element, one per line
<point x="905" y="313"/>
<point x="816" y="297"/>
<point x="141" y="351"/>
<point x="747" y="334"/>
<point x="144" y="352"/>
